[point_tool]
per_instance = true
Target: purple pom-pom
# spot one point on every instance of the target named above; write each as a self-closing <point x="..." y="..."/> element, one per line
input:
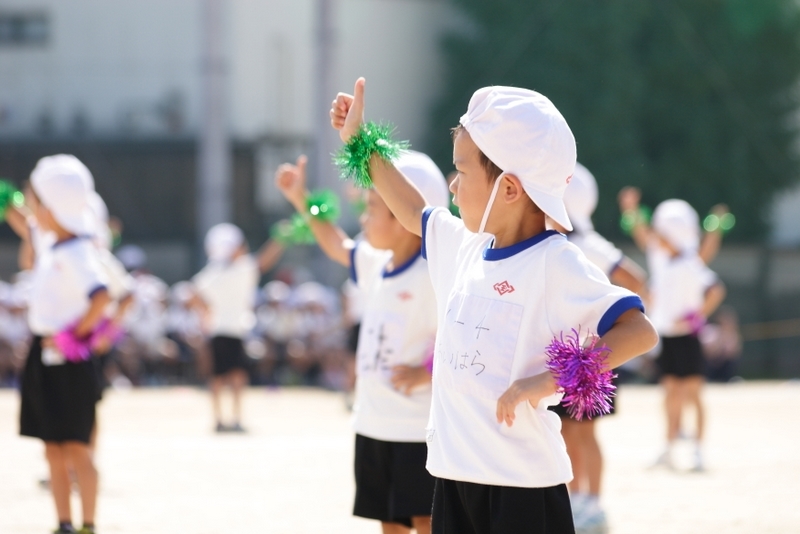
<point x="106" y="331"/>
<point x="71" y="346"/>
<point x="581" y="374"/>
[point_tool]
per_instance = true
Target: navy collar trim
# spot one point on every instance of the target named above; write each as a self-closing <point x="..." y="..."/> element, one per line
<point x="69" y="240"/>
<point x="404" y="267"/>
<point x="496" y="254"/>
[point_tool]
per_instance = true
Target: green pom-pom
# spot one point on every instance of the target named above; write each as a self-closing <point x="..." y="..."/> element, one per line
<point x="323" y="205"/>
<point x="353" y="158"/>
<point x="631" y="218"/>
<point x="294" y="231"/>
<point x="726" y="222"/>
<point x="9" y="196"/>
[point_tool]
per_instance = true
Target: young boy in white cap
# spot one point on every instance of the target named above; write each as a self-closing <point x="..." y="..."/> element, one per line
<point x="393" y="392"/>
<point x="505" y="287"/>
<point x="225" y="290"/>
<point x="68" y="294"/>
<point x="684" y="292"/>
<point x="580" y="199"/>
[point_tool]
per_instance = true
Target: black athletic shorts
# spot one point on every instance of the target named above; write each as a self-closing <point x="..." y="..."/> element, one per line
<point x="228" y="353"/>
<point x="681" y="356"/>
<point x="467" y="508"/>
<point x="392" y="484"/>
<point x="57" y="401"/>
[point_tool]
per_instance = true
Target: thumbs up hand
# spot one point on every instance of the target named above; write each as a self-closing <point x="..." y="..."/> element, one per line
<point x="347" y="111"/>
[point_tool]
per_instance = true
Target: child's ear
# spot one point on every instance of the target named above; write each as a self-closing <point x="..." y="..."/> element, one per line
<point x="511" y="188"/>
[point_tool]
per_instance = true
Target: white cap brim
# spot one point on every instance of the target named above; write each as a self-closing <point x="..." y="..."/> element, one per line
<point x="551" y="205"/>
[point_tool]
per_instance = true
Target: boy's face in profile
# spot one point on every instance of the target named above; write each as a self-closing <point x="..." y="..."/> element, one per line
<point x="471" y="186"/>
<point x="381" y="229"/>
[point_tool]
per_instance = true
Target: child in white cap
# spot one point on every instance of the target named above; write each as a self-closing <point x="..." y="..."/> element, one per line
<point x="225" y="290"/>
<point x="68" y="299"/>
<point x="684" y="292"/>
<point x="584" y="451"/>
<point x="505" y="287"/>
<point x="395" y="343"/>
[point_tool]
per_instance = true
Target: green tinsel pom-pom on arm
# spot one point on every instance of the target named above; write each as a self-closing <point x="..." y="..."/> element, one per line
<point x="323" y="205"/>
<point x="9" y="196"/>
<point x="372" y="138"/>
<point x="294" y="231"/>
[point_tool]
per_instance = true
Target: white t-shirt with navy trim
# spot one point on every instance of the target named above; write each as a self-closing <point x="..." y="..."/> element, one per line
<point x="498" y="310"/>
<point x="229" y="290"/>
<point x="397" y="328"/>
<point x="598" y="249"/>
<point x="677" y="288"/>
<point x="65" y="277"/>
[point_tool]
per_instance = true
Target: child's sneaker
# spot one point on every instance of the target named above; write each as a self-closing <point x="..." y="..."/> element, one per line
<point x="65" y="529"/>
<point x="664" y="460"/>
<point x="698" y="466"/>
<point x="592" y="519"/>
<point x="577" y="502"/>
<point x="86" y="530"/>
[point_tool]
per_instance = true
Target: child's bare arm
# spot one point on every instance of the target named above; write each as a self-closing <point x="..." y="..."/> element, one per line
<point x="268" y="255"/>
<point x="18" y="223"/>
<point x="629" y="198"/>
<point x="97" y="305"/>
<point x="406" y="378"/>
<point x="712" y="241"/>
<point x="632" y="335"/>
<point x="401" y="196"/>
<point x="334" y="242"/>
<point x="629" y="275"/>
<point x="713" y="298"/>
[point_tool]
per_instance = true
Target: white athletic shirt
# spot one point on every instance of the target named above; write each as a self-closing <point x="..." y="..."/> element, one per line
<point x="498" y="310"/>
<point x="397" y="328"/>
<point x="229" y="289"/>
<point x="677" y="288"/>
<point x="120" y="283"/>
<point x="598" y="249"/>
<point x="65" y="276"/>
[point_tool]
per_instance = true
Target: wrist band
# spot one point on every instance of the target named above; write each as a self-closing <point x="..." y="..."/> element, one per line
<point x="580" y="373"/>
<point x="323" y="205"/>
<point x="352" y="159"/>
<point x="724" y="222"/>
<point x="106" y="331"/>
<point x="293" y="231"/>
<point x="9" y="196"/>
<point x="74" y="348"/>
<point x="631" y="218"/>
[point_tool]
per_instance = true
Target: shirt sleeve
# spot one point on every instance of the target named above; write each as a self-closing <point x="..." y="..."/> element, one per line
<point x="442" y="236"/>
<point x="600" y="251"/>
<point x="579" y="296"/>
<point x="366" y="263"/>
<point x="87" y="271"/>
<point x="120" y="283"/>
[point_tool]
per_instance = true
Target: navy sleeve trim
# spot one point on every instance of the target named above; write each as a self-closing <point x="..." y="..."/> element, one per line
<point x="96" y="290"/>
<point x="618" y="308"/>
<point x="426" y="214"/>
<point x="353" y="273"/>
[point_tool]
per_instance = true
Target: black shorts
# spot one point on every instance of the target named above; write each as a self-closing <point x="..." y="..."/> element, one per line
<point x="57" y="401"/>
<point x="681" y="356"/>
<point x="228" y="354"/>
<point x="467" y="508"/>
<point x="561" y="410"/>
<point x="392" y="484"/>
<point x="352" y="337"/>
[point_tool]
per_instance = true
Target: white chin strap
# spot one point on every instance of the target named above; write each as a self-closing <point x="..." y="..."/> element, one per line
<point x="489" y="205"/>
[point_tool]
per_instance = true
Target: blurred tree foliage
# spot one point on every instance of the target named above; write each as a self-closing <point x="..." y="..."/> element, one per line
<point x="694" y="99"/>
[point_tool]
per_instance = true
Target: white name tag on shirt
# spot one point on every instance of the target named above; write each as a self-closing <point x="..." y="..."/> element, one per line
<point x="51" y="356"/>
<point x="380" y="343"/>
<point x="475" y="354"/>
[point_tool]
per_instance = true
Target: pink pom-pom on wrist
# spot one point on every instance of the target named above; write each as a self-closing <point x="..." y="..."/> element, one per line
<point x="73" y="348"/>
<point x="696" y="322"/>
<point x="106" y="331"/>
<point x="581" y="374"/>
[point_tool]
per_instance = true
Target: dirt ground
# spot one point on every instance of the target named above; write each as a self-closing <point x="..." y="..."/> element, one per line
<point x="164" y="471"/>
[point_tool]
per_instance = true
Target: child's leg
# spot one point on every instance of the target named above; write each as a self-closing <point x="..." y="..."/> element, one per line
<point x="394" y="528"/>
<point x="80" y="456"/>
<point x="673" y="402"/>
<point x="693" y="386"/>
<point x="59" y="479"/>
<point x="238" y="380"/>
<point x="592" y="457"/>
<point x="569" y="431"/>
<point x="93" y="439"/>
<point x="216" y="386"/>
<point x="422" y="524"/>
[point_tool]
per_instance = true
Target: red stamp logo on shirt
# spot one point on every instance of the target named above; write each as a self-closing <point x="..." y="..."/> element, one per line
<point x="503" y="287"/>
<point x="405" y="295"/>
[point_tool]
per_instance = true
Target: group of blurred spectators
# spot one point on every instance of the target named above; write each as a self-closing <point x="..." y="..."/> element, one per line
<point x="300" y="336"/>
